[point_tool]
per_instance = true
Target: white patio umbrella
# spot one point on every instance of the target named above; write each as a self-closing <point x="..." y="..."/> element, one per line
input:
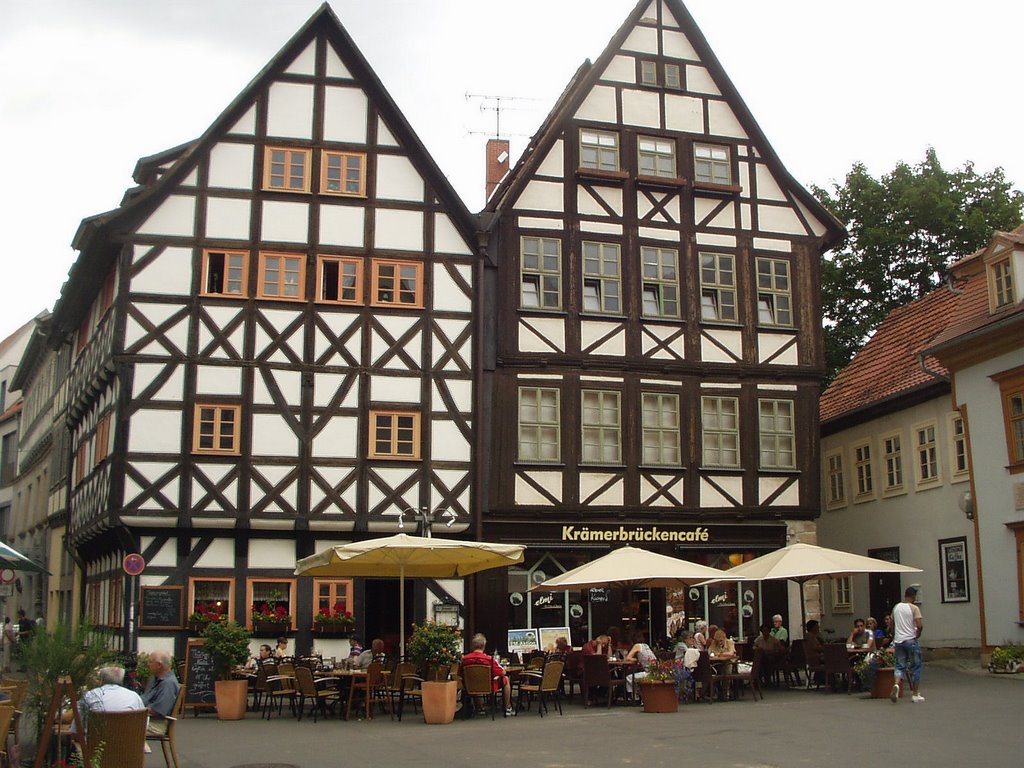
<point x="803" y="562"/>
<point x="403" y="555"/>
<point x="632" y="567"/>
<point x="15" y="561"/>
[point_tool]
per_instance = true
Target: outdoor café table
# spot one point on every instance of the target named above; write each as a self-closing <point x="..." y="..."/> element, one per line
<point x="623" y="668"/>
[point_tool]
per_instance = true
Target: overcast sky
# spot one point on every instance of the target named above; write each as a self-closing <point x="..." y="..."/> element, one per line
<point x="89" y="86"/>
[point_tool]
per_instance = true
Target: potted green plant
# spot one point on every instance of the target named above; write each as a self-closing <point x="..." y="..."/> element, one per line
<point x="48" y="656"/>
<point x="228" y="644"/>
<point x="658" y="688"/>
<point x="883" y="661"/>
<point x="434" y="647"/>
<point x="1007" y="659"/>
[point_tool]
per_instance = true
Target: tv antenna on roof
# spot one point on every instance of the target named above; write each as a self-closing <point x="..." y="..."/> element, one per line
<point x="496" y="104"/>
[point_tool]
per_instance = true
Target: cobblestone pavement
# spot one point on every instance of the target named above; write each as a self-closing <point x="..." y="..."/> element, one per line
<point x="970" y="717"/>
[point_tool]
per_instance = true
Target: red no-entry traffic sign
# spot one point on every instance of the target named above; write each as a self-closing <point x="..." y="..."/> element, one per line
<point x="134" y="564"/>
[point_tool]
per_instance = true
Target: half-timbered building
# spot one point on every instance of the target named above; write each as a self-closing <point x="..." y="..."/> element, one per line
<point x="273" y="342"/>
<point x="656" y="367"/>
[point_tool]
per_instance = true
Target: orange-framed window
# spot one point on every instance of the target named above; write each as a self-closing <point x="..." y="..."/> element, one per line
<point x="339" y="280"/>
<point x="211" y="595"/>
<point x="107" y="293"/>
<point x="81" y="458"/>
<point x="397" y="283"/>
<point x="1011" y="389"/>
<point x="115" y="595"/>
<point x="333" y="596"/>
<point x="282" y="276"/>
<point x="92" y="603"/>
<point x="217" y="429"/>
<point x="271" y="597"/>
<point x="102" y="438"/>
<point x="225" y="273"/>
<point x="343" y="173"/>
<point x="286" y="169"/>
<point x="394" y="435"/>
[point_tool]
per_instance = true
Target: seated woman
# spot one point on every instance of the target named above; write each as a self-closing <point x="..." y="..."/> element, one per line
<point x="813" y="651"/>
<point x="722" y="648"/>
<point x="687" y="655"/>
<point x="640" y="653"/>
<point x="700" y="635"/>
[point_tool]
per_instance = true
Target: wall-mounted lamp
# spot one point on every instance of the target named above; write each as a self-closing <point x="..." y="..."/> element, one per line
<point x="966" y="504"/>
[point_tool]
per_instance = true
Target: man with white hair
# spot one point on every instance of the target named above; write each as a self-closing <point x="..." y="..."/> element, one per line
<point x="109" y="696"/>
<point x="161" y="691"/>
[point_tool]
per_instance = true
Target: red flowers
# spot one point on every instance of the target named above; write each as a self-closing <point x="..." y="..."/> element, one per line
<point x="337" y="615"/>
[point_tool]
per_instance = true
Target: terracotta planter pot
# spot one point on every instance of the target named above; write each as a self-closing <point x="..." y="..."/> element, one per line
<point x="659" y="696"/>
<point x="882" y="686"/>
<point x="232" y="697"/>
<point x="438" y="702"/>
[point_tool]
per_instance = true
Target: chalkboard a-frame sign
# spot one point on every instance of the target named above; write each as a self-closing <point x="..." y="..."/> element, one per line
<point x="162" y="608"/>
<point x="199" y="677"/>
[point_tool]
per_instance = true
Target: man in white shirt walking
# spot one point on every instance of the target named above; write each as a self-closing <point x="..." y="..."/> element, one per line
<point x="907" y="626"/>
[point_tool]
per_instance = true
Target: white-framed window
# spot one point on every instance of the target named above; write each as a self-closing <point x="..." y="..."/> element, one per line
<point x="539" y="430"/>
<point x="842" y="595"/>
<point x="648" y="72"/>
<point x="926" y="450"/>
<point x="660" y="429"/>
<point x="718" y="287"/>
<point x="601" y="424"/>
<point x="836" y="479"/>
<point x="862" y="466"/>
<point x="656" y="157"/>
<point x="774" y="292"/>
<point x="541" y="273"/>
<point x="711" y="164"/>
<point x="957" y="447"/>
<point x="892" y="463"/>
<point x="599" y="150"/>
<point x="602" y="278"/>
<point x="673" y="76"/>
<point x="776" y="434"/>
<point x="1001" y="283"/>
<point x="720" y="431"/>
<point x="660" y="281"/>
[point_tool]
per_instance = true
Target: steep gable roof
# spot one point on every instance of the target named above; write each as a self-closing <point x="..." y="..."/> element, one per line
<point x="588" y="75"/>
<point x="96" y="235"/>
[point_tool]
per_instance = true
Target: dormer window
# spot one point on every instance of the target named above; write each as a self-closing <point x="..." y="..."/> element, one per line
<point x="1001" y="277"/>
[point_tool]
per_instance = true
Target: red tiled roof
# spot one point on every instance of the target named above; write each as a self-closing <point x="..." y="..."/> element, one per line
<point x="887" y="364"/>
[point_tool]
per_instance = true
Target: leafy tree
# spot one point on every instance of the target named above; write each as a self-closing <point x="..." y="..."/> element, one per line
<point x="905" y="228"/>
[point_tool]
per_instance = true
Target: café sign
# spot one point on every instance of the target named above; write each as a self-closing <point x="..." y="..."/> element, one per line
<point x="623" y="533"/>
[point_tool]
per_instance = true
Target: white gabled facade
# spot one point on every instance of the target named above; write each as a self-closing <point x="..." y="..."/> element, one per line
<point x="282" y="355"/>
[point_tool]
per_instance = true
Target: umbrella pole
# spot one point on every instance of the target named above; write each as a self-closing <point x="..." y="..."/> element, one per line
<point x="803" y="607"/>
<point x="401" y="611"/>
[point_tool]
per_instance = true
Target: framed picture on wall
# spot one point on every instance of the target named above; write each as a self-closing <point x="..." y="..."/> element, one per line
<point x="953" y="568"/>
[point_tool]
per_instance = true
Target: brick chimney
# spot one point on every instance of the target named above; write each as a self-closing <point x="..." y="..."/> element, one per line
<point x="497" y="164"/>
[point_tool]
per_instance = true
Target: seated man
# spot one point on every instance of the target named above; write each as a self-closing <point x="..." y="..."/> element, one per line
<point x="778" y="631"/>
<point x="109" y="696"/>
<point x="366" y="658"/>
<point x="599" y="646"/>
<point x="860" y="636"/>
<point x="477" y="656"/>
<point x="265" y="654"/>
<point x="814" y="653"/>
<point x="160" y="692"/>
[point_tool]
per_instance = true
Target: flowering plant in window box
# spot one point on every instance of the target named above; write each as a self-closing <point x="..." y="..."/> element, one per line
<point x="264" y="615"/>
<point x="204" y="614"/>
<point x="334" y="621"/>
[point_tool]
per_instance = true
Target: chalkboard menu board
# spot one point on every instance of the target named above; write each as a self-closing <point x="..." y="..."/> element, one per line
<point x="199" y="676"/>
<point x="162" y="608"/>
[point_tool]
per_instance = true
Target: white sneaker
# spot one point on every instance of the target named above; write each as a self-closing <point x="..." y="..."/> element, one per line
<point x="894" y="694"/>
<point x="918" y="698"/>
<point x="510" y="712"/>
